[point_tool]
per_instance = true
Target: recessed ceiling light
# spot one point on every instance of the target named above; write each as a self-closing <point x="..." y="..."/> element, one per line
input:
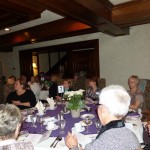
<point x="7" y="29"/>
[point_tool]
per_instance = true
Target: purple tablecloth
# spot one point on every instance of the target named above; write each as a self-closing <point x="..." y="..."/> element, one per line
<point x="69" y="122"/>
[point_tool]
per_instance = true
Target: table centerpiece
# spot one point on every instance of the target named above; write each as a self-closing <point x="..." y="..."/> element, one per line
<point x="75" y="102"/>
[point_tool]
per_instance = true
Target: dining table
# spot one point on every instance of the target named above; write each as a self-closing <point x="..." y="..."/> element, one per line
<point x="33" y="132"/>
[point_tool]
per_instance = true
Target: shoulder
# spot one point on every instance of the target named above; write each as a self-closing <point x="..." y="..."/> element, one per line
<point x="19" y="146"/>
<point x="116" y="138"/>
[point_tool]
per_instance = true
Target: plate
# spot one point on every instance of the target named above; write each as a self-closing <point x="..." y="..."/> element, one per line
<point x="55" y="128"/>
<point x="91" y="116"/>
<point x="40" y="114"/>
<point x="78" y="131"/>
<point x="49" y="108"/>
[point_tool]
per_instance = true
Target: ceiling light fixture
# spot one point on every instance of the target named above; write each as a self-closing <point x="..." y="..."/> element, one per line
<point x="7" y="29"/>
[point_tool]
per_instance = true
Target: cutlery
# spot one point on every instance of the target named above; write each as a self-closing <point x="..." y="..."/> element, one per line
<point x="59" y="139"/>
<point x="54" y="141"/>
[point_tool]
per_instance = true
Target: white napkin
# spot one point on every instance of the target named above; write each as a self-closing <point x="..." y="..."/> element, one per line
<point x="51" y="102"/>
<point x="40" y="106"/>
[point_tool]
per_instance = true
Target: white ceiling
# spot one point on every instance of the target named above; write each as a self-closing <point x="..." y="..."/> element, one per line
<point x="115" y="2"/>
<point x="46" y="16"/>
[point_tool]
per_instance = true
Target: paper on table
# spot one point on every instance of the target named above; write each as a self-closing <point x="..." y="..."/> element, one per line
<point x="38" y="138"/>
<point x="45" y="145"/>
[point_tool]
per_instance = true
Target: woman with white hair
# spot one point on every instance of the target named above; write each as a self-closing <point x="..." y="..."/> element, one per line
<point x="114" y="104"/>
<point x="10" y="122"/>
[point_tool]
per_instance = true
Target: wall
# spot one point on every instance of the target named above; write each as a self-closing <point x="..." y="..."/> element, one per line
<point x="120" y="56"/>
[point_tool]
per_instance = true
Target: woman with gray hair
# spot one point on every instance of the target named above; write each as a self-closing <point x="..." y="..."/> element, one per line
<point x="114" y="104"/>
<point x="10" y="122"/>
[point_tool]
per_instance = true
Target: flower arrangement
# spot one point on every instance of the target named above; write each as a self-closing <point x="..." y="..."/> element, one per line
<point x="75" y="99"/>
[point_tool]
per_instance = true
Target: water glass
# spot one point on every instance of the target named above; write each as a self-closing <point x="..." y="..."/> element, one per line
<point x="97" y="124"/>
<point x="33" y="120"/>
<point x="87" y="120"/>
<point x="62" y="124"/>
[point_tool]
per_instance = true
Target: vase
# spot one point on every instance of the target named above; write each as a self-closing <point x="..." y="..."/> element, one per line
<point x="75" y="113"/>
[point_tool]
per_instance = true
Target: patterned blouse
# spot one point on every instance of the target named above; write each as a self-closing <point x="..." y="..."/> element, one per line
<point x="89" y="93"/>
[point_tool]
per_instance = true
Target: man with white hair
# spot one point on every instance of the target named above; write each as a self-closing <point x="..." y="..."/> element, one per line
<point x="114" y="104"/>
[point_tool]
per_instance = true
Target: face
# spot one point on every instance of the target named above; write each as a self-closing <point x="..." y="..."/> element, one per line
<point x="132" y="83"/>
<point x="66" y="84"/>
<point x="92" y="83"/>
<point x="18" y="85"/>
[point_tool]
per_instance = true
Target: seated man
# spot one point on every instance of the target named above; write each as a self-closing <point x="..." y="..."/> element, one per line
<point x="10" y="122"/>
<point x="114" y="103"/>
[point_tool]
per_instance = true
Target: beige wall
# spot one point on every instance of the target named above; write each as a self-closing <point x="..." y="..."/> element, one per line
<point x="120" y="57"/>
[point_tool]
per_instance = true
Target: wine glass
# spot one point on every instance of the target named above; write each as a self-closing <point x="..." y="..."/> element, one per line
<point x="62" y="124"/>
<point x="33" y="120"/>
<point x="97" y="124"/>
<point x="87" y="120"/>
<point x="41" y="121"/>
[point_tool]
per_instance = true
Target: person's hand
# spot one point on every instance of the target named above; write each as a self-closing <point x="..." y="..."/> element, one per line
<point x="16" y="102"/>
<point x="58" y="98"/>
<point x="71" y="141"/>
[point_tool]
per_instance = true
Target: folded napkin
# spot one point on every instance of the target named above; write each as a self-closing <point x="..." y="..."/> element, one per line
<point x="40" y="106"/>
<point x="51" y="102"/>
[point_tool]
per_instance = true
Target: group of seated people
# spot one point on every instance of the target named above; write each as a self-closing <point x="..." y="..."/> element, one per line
<point x="114" y="101"/>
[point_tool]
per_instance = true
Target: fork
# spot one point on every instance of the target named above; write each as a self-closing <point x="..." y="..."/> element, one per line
<point x="54" y="141"/>
<point x="59" y="139"/>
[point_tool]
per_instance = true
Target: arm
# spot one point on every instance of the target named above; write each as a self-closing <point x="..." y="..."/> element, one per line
<point x="18" y="103"/>
<point x="138" y="102"/>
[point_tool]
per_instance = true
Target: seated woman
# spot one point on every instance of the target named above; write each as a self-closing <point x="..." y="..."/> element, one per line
<point x="10" y="122"/>
<point x="22" y="97"/>
<point x="35" y="87"/>
<point x="92" y="93"/>
<point x="114" y="104"/>
<point x="135" y="93"/>
<point x="9" y="86"/>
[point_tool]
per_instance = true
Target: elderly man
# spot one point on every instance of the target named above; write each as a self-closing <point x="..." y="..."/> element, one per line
<point x="10" y="122"/>
<point x="114" y="104"/>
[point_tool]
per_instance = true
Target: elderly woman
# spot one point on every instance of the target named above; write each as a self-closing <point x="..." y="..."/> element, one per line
<point x="10" y="122"/>
<point x="22" y="97"/>
<point x="92" y="93"/>
<point x="135" y="93"/>
<point x="114" y="103"/>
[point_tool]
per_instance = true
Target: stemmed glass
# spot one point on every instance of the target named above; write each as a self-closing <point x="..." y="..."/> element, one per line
<point x="97" y="124"/>
<point x="62" y="124"/>
<point x="87" y="120"/>
<point x="40" y="121"/>
<point x="33" y="120"/>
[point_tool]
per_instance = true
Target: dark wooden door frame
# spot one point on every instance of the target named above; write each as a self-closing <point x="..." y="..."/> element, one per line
<point x="69" y="47"/>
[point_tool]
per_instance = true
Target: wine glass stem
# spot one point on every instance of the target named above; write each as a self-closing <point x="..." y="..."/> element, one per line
<point x="87" y="129"/>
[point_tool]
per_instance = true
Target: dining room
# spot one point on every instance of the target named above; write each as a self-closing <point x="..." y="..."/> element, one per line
<point x="120" y="27"/>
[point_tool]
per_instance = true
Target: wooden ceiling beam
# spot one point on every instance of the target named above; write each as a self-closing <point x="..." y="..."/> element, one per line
<point x="131" y="13"/>
<point x="55" y="29"/>
<point x="96" y="14"/>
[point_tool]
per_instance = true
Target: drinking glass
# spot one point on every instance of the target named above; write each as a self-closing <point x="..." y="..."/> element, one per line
<point x="87" y="120"/>
<point x="41" y="121"/>
<point x="97" y="124"/>
<point x="62" y="124"/>
<point x="33" y="120"/>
